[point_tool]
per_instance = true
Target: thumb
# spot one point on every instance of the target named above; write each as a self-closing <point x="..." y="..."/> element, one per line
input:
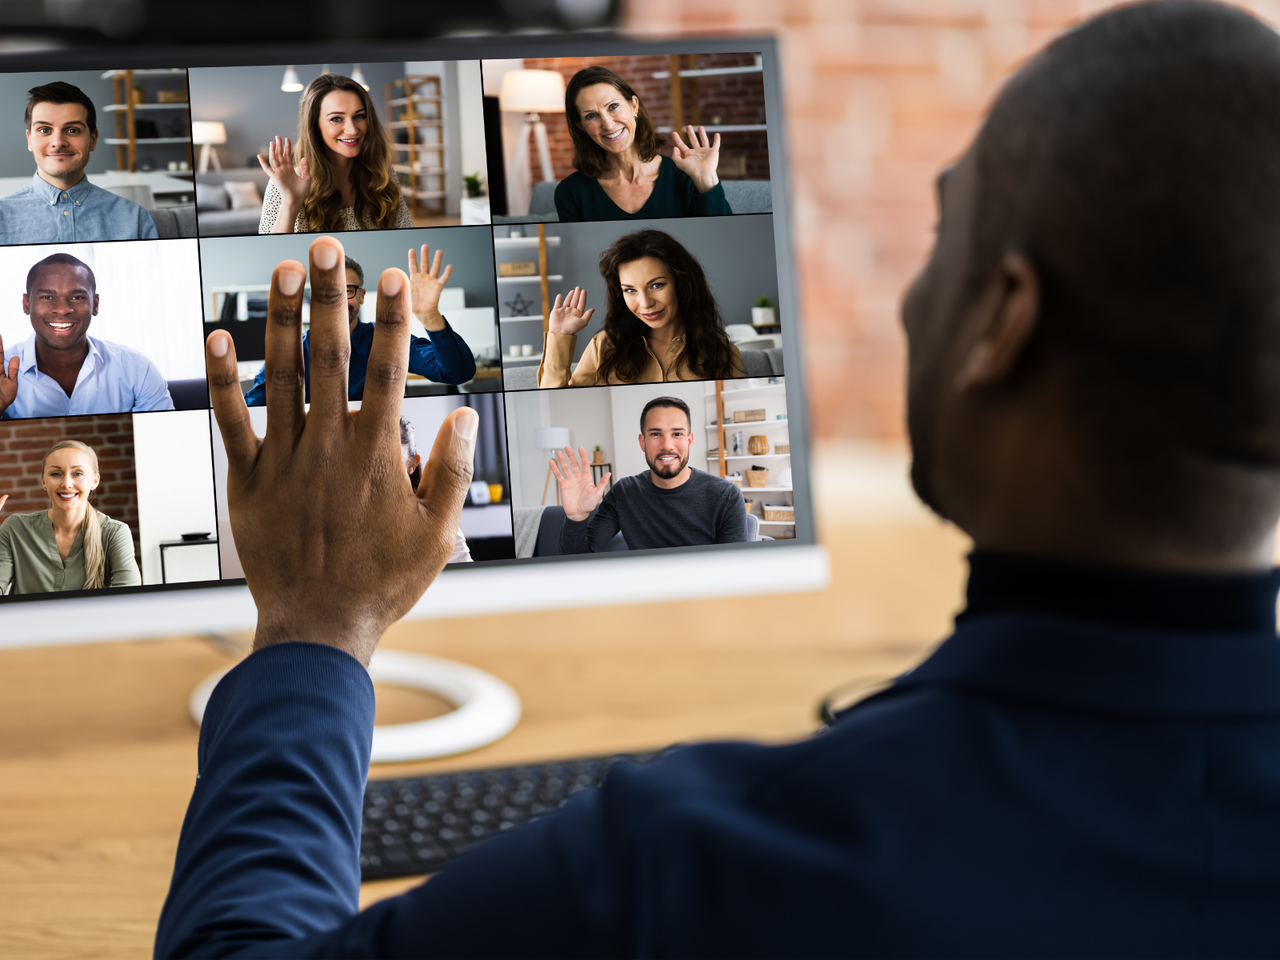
<point x="2" y="501"/>
<point x="446" y="476"/>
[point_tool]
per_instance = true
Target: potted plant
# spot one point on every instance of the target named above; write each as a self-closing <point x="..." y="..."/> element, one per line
<point x="762" y="314"/>
<point x="472" y="185"/>
<point x="597" y="455"/>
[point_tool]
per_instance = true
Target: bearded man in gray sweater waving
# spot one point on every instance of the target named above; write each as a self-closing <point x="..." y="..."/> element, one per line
<point x="671" y="505"/>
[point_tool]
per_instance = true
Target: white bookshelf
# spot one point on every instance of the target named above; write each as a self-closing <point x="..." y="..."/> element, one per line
<point x="756" y="394"/>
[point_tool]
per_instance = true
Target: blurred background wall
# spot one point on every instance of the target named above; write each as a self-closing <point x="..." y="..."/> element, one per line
<point x="879" y="94"/>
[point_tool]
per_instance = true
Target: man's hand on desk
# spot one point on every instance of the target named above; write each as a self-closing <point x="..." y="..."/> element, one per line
<point x="578" y="492"/>
<point x="335" y="543"/>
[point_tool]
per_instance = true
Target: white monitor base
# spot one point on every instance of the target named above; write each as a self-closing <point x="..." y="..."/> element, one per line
<point x="487" y="709"/>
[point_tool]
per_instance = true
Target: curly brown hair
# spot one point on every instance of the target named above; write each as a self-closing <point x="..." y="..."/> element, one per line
<point x="588" y="156"/>
<point x="707" y="349"/>
<point x="376" y="185"/>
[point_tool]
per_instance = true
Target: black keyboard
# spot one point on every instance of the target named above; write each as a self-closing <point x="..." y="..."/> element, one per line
<point x="415" y="825"/>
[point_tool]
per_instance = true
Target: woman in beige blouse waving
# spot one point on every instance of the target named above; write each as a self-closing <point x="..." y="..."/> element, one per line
<point x="661" y="321"/>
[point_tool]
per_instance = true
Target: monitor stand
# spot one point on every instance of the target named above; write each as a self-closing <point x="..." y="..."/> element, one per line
<point x="486" y="708"/>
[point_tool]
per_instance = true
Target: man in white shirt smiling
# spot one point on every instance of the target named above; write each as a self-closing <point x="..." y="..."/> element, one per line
<point x="60" y="371"/>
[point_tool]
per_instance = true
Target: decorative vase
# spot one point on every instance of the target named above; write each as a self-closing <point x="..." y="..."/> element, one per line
<point x="763" y="316"/>
<point x="758" y="445"/>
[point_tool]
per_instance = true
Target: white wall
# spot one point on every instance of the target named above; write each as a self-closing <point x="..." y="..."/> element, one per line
<point x="470" y="100"/>
<point x="175" y="493"/>
<point x="526" y="412"/>
<point x="519" y="182"/>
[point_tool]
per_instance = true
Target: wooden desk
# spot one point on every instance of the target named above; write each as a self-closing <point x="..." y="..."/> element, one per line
<point x="97" y="752"/>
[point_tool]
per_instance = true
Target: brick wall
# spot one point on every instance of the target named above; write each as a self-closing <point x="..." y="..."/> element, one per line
<point x="23" y="444"/>
<point x="878" y="94"/>
<point x="733" y="99"/>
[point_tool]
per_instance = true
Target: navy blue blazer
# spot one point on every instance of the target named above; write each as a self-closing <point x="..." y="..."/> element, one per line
<point x="445" y="358"/>
<point x="1087" y="767"/>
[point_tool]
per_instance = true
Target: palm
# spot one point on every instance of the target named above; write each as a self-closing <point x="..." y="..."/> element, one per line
<point x="294" y="183"/>
<point x="569" y="314"/>
<point x="579" y="493"/>
<point x="425" y="285"/>
<point x="699" y="158"/>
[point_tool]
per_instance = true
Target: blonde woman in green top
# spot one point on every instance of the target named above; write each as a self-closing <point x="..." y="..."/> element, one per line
<point x="70" y="546"/>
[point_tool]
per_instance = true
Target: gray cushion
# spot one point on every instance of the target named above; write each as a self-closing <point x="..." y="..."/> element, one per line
<point x="775" y="361"/>
<point x="229" y="223"/>
<point x="544" y="198"/>
<point x="173" y="222"/>
<point x="749" y="196"/>
<point x="755" y="363"/>
<point x="520" y="377"/>
<point x="211" y="196"/>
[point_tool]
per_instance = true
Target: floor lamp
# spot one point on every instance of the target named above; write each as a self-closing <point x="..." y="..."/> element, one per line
<point x="532" y="92"/>
<point x="207" y="133"/>
<point x="552" y="439"/>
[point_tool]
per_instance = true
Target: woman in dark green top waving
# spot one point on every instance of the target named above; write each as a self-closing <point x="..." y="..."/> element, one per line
<point x="619" y="172"/>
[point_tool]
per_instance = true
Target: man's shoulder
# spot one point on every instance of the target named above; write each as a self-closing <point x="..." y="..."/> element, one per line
<point x="710" y="482"/>
<point x="26" y="194"/>
<point x="113" y="352"/>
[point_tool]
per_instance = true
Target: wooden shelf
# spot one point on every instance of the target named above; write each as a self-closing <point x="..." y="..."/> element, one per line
<point x="556" y="277"/>
<point x="709" y="72"/>
<point x="427" y="188"/>
<point x="724" y="127"/>
<point x="405" y="101"/>
<point x="518" y="319"/>
<point x="751" y="423"/>
<point x="121" y="107"/>
<point x="749" y="391"/>
<point x="776" y="523"/>
<point x="122" y="141"/>
<point x="109" y="74"/>
<point x="419" y="170"/>
<point x="508" y="242"/>
<point x="759" y="456"/>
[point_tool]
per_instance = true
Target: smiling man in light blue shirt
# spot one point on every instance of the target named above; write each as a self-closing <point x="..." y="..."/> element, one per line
<point x="61" y="205"/>
<point x="61" y="371"/>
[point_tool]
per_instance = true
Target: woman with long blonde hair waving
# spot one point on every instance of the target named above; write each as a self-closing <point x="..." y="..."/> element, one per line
<point x="70" y="546"/>
<point x="339" y="175"/>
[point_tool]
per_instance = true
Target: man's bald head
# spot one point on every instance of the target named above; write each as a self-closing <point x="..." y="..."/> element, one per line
<point x="1135" y="162"/>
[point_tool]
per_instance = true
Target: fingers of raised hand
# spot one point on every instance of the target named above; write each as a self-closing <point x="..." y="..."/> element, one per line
<point x="448" y="272"/>
<point x="555" y="468"/>
<point x="564" y="465"/>
<point x="602" y="485"/>
<point x="680" y="144"/>
<point x="388" y="361"/>
<point x="13" y="365"/>
<point x="238" y="438"/>
<point x="413" y="261"/>
<point x="329" y="336"/>
<point x="2" y="501"/>
<point x="435" y="264"/>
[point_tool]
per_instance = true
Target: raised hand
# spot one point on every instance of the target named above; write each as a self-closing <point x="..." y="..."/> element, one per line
<point x="567" y="313"/>
<point x="8" y="381"/>
<point x="578" y="492"/>
<point x="425" y="287"/>
<point x="2" y="501"/>
<point x="338" y="563"/>
<point x="294" y="185"/>
<point x="699" y="158"/>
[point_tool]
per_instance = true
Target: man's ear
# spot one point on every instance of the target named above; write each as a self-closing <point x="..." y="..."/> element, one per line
<point x="29" y="147"/>
<point x="93" y="141"/>
<point x="26" y="304"/>
<point x="640" y="440"/>
<point x="1008" y="313"/>
<point x="95" y="305"/>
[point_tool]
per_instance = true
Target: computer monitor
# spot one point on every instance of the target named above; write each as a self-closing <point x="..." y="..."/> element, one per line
<point x="123" y="248"/>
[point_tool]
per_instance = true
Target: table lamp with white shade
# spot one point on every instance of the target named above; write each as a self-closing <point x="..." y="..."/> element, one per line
<point x="532" y="92"/>
<point x="551" y="438"/>
<point x="207" y="133"/>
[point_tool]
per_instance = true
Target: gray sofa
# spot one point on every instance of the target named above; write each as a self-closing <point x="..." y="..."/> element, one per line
<point x="173" y="222"/>
<point x="744" y="196"/>
<point x="755" y="363"/>
<point x="213" y="205"/>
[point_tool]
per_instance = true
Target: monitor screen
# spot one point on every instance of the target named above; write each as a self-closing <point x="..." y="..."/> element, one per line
<point x="608" y="217"/>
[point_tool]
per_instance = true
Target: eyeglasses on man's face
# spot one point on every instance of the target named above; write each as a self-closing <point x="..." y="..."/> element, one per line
<point x="352" y="290"/>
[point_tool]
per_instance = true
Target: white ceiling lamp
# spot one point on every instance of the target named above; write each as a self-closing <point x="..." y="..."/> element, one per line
<point x="291" y="83"/>
<point x="358" y="76"/>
